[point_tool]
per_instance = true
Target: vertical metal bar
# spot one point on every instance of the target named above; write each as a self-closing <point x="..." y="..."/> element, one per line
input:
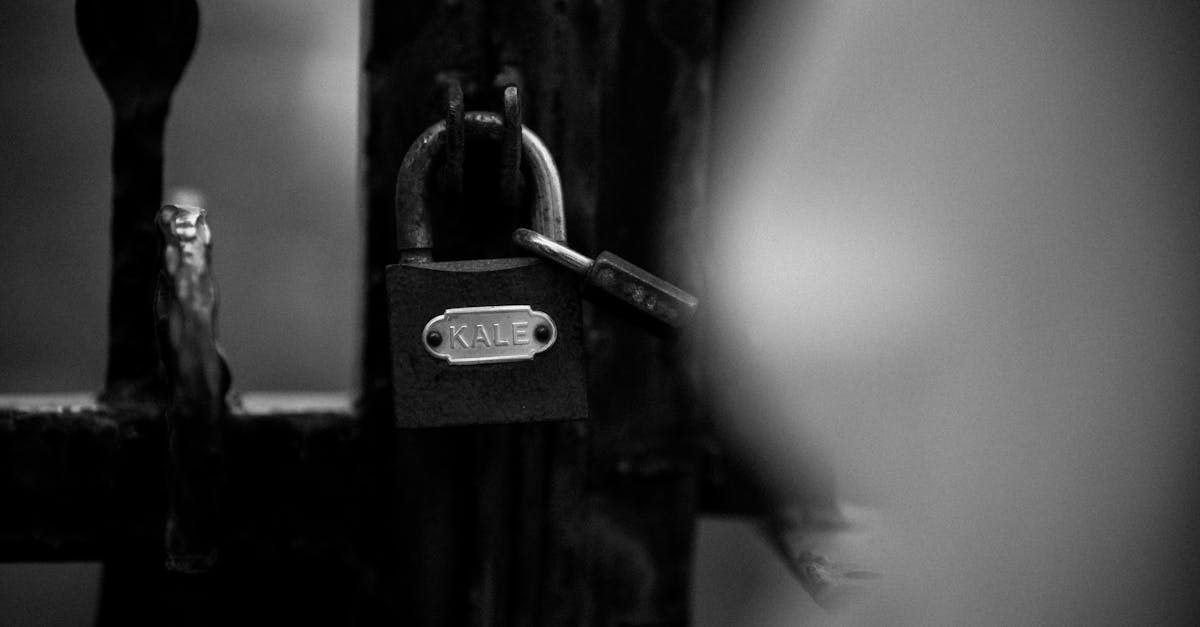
<point x="415" y="527"/>
<point x="644" y="444"/>
<point x="138" y="50"/>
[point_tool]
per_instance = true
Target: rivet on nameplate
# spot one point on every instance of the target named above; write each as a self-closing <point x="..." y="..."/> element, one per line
<point x="488" y="335"/>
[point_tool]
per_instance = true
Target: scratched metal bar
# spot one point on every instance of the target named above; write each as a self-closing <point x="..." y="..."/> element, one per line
<point x="199" y="382"/>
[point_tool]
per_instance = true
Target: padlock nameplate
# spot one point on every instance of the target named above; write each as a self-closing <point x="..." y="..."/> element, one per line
<point x="431" y="392"/>
<point x="486" y="335"/>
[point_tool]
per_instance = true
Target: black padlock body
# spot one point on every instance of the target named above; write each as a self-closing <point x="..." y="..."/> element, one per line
<point x="430" y="392"/>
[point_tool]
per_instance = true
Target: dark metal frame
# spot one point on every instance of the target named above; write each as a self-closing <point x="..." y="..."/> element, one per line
<point x="317" y="510"/>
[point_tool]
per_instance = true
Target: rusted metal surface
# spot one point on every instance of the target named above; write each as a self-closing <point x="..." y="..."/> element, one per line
<point x="199" y="382"/>
<point x="138" y="49"/>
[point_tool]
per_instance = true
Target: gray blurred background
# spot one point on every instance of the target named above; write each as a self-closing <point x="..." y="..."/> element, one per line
<point x="970" y="231"/>
<point x="264" y="124"/>
<point x="966" y="235"/>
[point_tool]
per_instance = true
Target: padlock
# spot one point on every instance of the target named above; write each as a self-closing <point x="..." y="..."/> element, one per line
<point x="482" y="341"/>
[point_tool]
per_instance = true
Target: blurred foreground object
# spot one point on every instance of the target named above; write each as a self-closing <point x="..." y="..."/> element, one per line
<point x="967" y="236"/>
<point x="816" y="546"/>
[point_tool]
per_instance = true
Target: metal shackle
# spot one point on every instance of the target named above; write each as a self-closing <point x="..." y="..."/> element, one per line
<point x="414" y="225"/>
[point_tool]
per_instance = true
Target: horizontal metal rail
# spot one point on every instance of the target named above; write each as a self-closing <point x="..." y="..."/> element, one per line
<point x="79" y="480"/>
